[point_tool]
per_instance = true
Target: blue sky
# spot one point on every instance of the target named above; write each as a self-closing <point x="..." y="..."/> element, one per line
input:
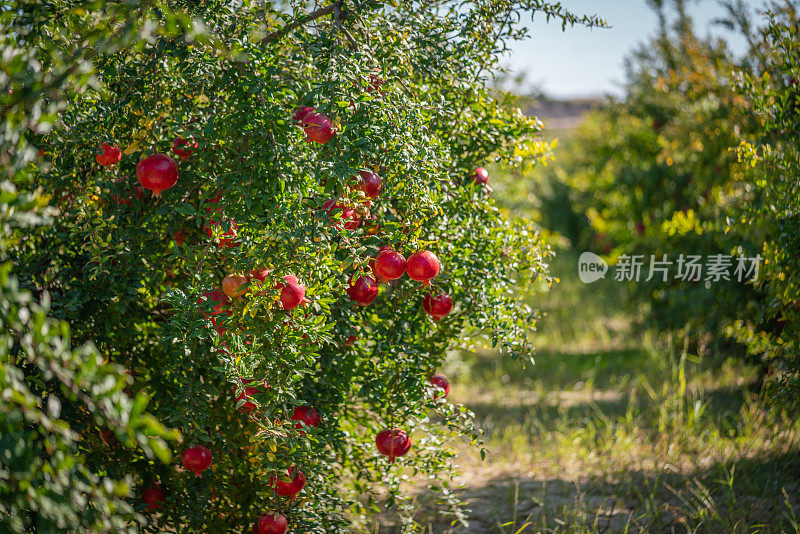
<point x="586" y="62"/>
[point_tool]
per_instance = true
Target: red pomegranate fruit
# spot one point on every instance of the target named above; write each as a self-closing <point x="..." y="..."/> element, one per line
<point x="272" y="523"/>
<point x="247" y="393"/>
<point x="288" y="484"/>
<point x="393" y="443"/>
<point x="300" y="114"/>
<point x="422" y="266"/>
<point x="370" y="184"/>
<point x="154" y="496"/>
<point x="318" y="128"/>
<point x="363" y="291"/>
<point x="196" y="459"/>
<point x="481" y="176"/>
<point x="348" y="216"/>
<point x="218" y="299"/>
<point x="389" y="265"/>
<point x="183" y="153"/>
<point x="293" y="293"/>
<point x="376" y="81"/>
<point x="157" y="173"/>
<point x="109" y="155"/>
<point x="212" y="205"/>
<point x="259" y="274"/>
<point x="440" y="381"/>
<point x="225" y="238"/>
<point x="437" y="306"/>
<point x="307" y="415"/>
<point x="179" y="237"/>
<point x="235" y="285"/>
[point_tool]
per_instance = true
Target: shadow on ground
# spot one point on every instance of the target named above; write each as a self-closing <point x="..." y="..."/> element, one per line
<point x="751" y="495"/>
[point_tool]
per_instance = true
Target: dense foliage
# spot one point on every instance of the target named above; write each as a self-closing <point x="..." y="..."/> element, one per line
<point x="770" y="327"/>
<point x="398" y="91"/>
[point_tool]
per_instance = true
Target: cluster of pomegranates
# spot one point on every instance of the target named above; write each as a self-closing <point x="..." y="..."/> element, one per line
<point x="422" y="266"/>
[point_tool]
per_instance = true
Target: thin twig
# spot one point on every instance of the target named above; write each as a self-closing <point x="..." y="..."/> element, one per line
<point x="314" y="15"/>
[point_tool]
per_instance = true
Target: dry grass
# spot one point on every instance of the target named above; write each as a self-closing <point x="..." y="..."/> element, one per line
<point x="615" y="433"/>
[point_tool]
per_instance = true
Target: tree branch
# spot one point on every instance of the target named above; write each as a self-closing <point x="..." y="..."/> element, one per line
<point x="314" y="15"/>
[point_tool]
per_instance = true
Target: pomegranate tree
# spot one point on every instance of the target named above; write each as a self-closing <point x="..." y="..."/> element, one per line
<point x="245" y="303"/>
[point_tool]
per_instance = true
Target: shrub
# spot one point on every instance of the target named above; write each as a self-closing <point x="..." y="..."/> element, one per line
<point x="397" y="90"/>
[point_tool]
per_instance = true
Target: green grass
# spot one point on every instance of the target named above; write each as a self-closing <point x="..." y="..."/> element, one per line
<point x="612" y="432"/>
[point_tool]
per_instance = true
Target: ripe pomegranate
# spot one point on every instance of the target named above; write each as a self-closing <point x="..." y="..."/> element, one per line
<point x="440" y="381"/>
<point x="300" y="114"/>
<point x="183" y="153"/>
<point x="219" y="299"/>
<point x="212" y="204"/>
<point x="290" y="485"/>
<point x="393" y="443"/>
<point x="307" y="415"/>
<point x="179" y="237"/>
<point x="371" y="184"/>
<point x="272" y="523"/>
<point x="235" y="285"/>
<point x="259" y="274"/>
<point x="349" y="216"/>
<point x="226" y="238"/>
<point x="196" y="459"/>
<point x="437" y="306"/>
<point x="363" y="291"/>
<point x="375" y="80"/>
<point x="247" y="393"/>
<point x="481" y="176"/>
<point x="293" y="293"/>
<point x="158" y="173"/>
<point x="422" y="266"/>
<point x="109" y="155"/>
<point x="389" y="264"/>
<point x="154" y="496"/>
<point x="318" y="128"/>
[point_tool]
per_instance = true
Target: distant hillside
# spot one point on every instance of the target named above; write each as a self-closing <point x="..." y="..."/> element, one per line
<point x="561" y="114"/>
